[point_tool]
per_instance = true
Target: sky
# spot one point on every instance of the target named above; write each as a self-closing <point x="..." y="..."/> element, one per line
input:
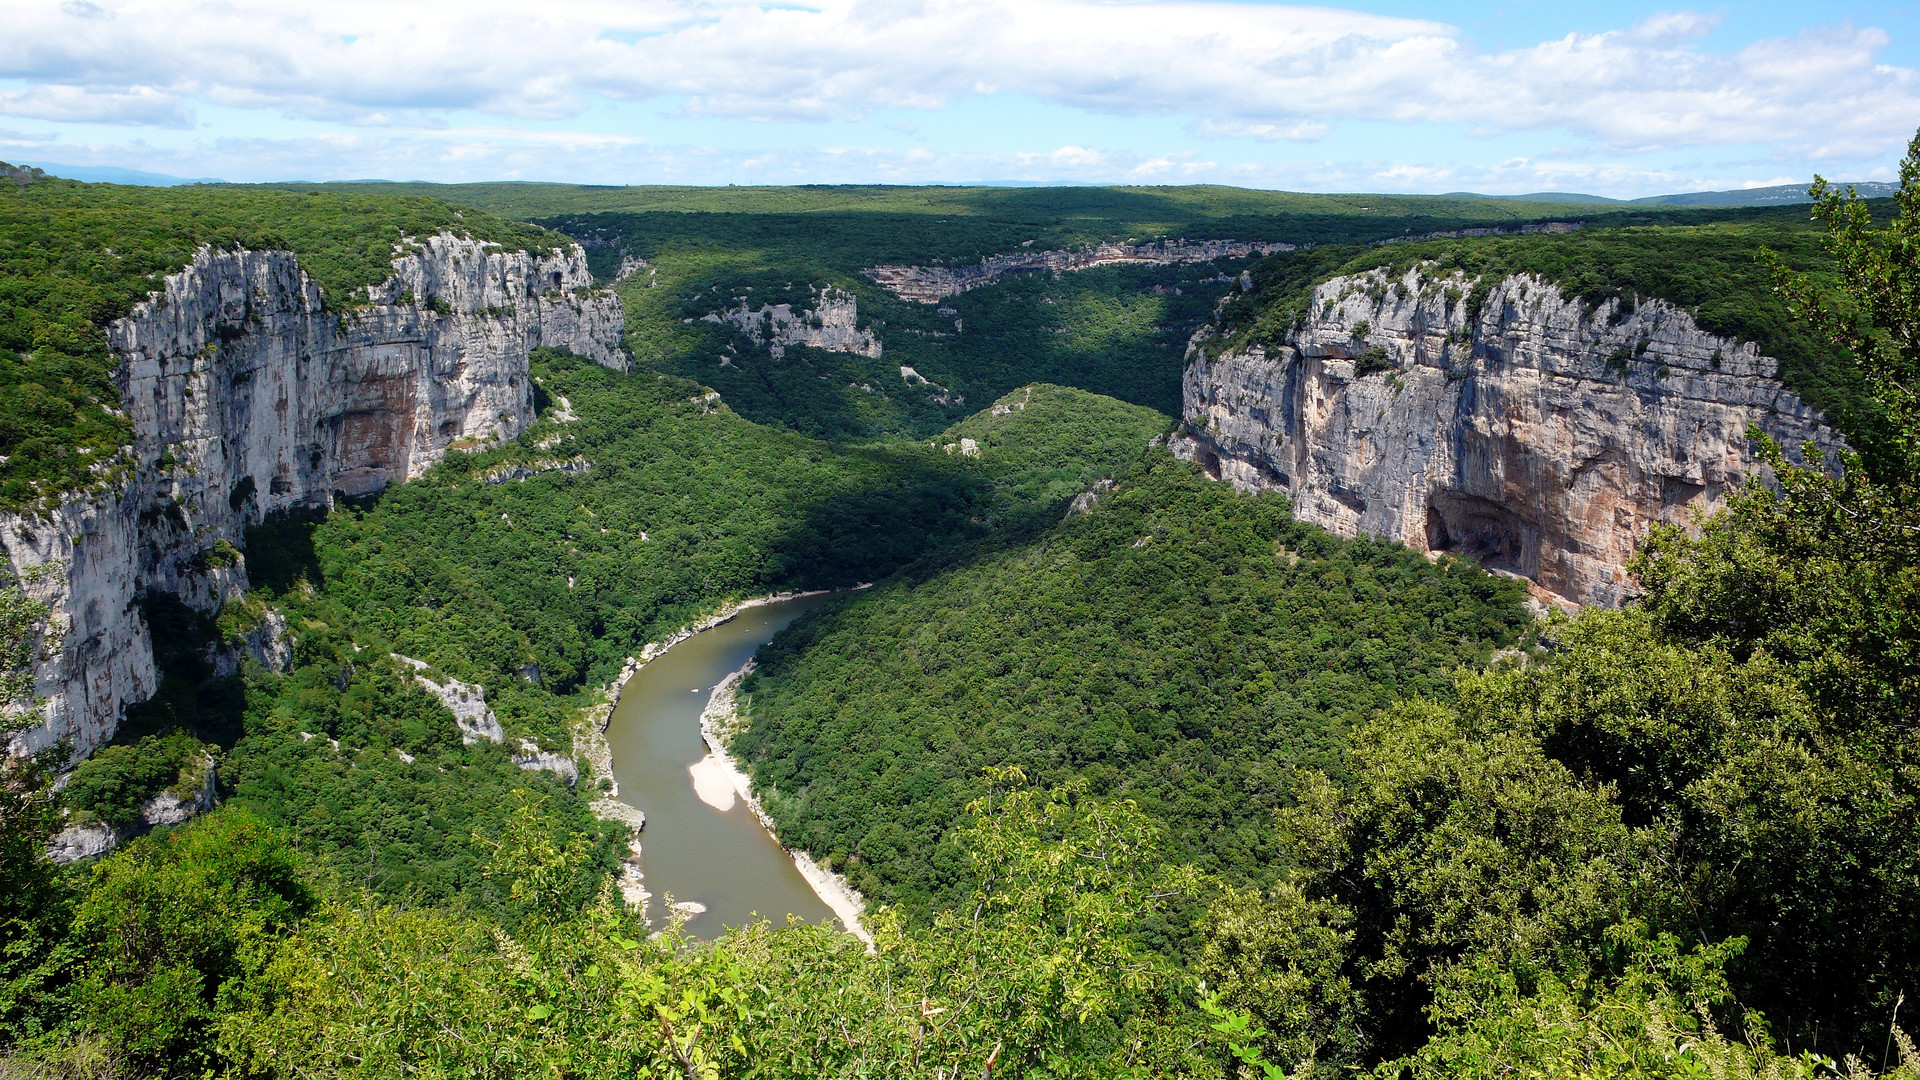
<point x="1622" y="99"/>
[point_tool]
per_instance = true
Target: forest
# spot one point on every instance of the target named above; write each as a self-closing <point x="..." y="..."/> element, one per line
<point x="1141" y="777"/>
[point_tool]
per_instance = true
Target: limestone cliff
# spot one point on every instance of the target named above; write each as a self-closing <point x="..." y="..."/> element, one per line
<point x="932" y="284"/>
<point x="247" y="397"/>
<point x="1535" y="434"/>
<point x="832" y="324"/>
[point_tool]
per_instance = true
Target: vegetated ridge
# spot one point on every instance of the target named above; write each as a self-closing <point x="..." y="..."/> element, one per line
<point x="1601" y="853"/>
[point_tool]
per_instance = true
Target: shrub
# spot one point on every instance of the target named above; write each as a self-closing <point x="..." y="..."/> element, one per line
<point x="117" y="780"/>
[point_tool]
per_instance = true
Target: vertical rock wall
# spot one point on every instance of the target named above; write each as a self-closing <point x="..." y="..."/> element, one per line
<point x="1541" y="437"/>
<point x="248" y="397"/>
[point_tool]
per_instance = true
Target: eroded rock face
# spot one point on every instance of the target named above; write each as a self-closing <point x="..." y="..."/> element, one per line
<point x="832" y="324"/>
<point x="932" y="284"/>
<point x="1539" y="437"/>
<point x="248" y="397"/>
<point x="171" y="807"/>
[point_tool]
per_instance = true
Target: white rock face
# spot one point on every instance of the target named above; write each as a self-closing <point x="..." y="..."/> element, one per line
<point x="831" y="324"/>
<point x="1542" y="438"/>
<point x="466" y="701"/>
<point x="932" y="284"/>
<point x="248" y="397"/>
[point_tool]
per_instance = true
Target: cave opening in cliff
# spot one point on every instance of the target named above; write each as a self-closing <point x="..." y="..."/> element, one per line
<point x="1490" y="533"/>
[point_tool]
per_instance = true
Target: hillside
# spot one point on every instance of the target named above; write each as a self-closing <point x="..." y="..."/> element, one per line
<point x="1141" y="775"/>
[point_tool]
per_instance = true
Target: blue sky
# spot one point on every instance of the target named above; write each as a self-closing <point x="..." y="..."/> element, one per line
<point x="1623" y="99"/>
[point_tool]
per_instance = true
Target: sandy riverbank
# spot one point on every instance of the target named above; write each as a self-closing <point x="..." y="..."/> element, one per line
<point x="719" y="781"/>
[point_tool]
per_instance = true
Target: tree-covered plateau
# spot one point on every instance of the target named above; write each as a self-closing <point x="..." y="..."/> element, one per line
<point x="1722" y="272"/>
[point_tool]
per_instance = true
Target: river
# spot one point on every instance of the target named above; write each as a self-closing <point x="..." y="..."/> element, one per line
<point x="722" y="860"/>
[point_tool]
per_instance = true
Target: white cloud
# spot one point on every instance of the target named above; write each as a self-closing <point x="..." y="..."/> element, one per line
<point x="138" y="105"/>
<point x="1290" y="131"/>
<point x="1256" y="71"/>
<point x="1262" y="72"/>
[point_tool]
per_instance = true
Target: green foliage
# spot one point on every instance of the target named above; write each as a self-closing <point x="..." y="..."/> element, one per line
<point x="35" y="904"/>
<point x="170" y="926"/>
<point x="1872" y="309"/>
<point x="117" y="780"/>
<point x="25" y="638"/>
<point x="1039" y="976"/>
<point x="1275" y="968"/>
<point x="1655" y="1017"/>
<point x="74" y="257"/>
<point x="1182" y="644"/>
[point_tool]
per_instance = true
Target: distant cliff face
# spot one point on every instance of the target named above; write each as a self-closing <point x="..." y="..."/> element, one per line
<point x="932" y="284"/>
<point x="247" y="397"/>
<point x="832" y="324"/>
<point x="1538" y="436"/>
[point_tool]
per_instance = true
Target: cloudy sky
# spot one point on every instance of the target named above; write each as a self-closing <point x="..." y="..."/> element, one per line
<point x="1624" y="98"/>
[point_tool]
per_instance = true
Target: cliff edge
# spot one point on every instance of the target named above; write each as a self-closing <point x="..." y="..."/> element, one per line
<point x="248" y="396"/>
<point x="1536" y="434"/>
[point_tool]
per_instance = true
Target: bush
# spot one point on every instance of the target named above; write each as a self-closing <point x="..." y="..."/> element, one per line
<point x="116" y="781"/>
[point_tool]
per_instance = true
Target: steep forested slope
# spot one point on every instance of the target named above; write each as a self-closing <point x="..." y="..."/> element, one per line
<point x="1179" y="644"/>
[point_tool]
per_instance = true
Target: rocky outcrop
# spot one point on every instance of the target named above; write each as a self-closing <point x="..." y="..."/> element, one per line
<point x="247" y="396"/>
<point x="1534" y="433"/>
<point x="466" y="701"/>
<point x="268" y="643"/>
<point x="196" y="794"/>
<point x="832" y="324"/>
<point x="932" y="284"/>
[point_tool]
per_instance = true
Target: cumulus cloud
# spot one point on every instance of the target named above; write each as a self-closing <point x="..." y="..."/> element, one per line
<point x="1240" y="71"/>
<point x="138" y="105"/>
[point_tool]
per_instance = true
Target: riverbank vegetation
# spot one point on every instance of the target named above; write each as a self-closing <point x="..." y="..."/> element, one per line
<point x="1161" y="782"/>
<point x="1178" y="644"/>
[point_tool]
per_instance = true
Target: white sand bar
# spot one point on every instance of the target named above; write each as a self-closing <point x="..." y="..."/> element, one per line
<point x="721" y="718"/>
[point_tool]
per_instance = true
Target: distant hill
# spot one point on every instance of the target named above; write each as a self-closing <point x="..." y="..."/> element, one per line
<point x="113" y="174"/>
<point x="1780" y="195"/>
<point x="1766" y="196"/>
<point x="1564" y="198"/>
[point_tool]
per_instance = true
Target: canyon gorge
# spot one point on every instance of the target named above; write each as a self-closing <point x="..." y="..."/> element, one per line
<point x="1538" y="434"/>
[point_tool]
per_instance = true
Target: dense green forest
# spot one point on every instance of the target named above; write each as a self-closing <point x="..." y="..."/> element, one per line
<point x="1180" y="645"/>
<point x="74" y="257"/>
<point x="1145" y="778"/>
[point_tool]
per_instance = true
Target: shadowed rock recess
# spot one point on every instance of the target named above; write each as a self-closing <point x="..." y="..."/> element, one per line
<point x="1533" y="433"/>
<point x="248" y="397"/>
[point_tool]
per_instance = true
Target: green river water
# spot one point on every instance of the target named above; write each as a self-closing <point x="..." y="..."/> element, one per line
<point x="724" y="861"/>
